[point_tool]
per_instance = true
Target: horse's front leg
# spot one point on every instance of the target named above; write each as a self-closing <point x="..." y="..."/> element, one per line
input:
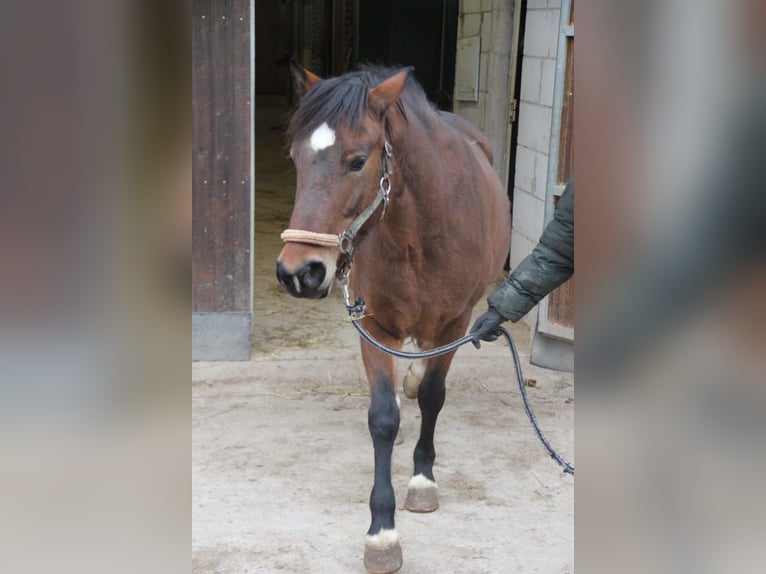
<point x="382" y="552"/>
<point x="422" y="491"/>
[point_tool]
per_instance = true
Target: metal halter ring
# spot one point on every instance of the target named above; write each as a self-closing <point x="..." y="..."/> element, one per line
<point x="345" y="243"/>
<point x="385" y="185"/>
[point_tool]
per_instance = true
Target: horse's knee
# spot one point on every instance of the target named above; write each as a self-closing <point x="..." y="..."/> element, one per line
<point x="431" y="394"/>
<point x="383" y="416"/>
<point x="383" y="422"/>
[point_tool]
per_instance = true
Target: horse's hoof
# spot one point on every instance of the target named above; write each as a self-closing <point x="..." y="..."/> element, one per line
<point x="413" y="378"/>
<point x="383" y="560"/>
<point x="422" y="495"/>
<point x="382" y="553"/>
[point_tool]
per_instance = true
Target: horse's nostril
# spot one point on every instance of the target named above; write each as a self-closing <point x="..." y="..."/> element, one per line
<point x="282" y="275"/>
<point x="312" y="275"/>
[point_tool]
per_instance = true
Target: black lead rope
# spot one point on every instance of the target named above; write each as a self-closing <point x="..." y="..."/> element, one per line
<point x="356" y="312"/>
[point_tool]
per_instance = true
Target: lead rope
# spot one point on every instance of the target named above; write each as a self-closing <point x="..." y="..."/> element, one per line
<point x="356" y="311"/>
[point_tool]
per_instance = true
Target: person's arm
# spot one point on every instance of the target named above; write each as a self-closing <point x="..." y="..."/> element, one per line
<point x="549" y="265"/>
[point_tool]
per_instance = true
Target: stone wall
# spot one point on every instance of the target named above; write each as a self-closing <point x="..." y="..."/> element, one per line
<point x="535" y="114"/>
<point x="493" y="21"/>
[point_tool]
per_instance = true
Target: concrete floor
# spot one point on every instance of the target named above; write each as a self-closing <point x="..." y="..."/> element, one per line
<point x="282" y="459"/>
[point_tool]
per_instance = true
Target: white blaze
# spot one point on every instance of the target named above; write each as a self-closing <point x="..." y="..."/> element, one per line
<point x="323" y="137"/>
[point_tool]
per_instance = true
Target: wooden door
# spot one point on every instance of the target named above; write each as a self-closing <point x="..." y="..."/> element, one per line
<point x="222" y="90"/>
<point x="421" y="34"/>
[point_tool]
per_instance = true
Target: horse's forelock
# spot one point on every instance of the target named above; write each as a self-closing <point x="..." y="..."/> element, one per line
<point x="333" y="101"/>
<point x="339" y="100"/>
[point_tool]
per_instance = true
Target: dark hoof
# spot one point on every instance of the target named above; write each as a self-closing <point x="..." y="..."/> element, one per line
<point x="382" y="559"/>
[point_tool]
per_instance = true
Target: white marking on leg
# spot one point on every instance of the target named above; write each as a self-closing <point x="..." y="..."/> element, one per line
<point x="323" y="137"/>
<point x="413" y="378"/>
<point x="383" y="539"/>
<point x="420" y="481"/>
<point x="398" y="402"/>
<point x="297" y="284"/>
<point x="418" y="369"/>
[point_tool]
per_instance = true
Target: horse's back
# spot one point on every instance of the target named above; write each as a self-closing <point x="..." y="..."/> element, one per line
<point x="469" y="131"/>
<point x="477" y="160"/>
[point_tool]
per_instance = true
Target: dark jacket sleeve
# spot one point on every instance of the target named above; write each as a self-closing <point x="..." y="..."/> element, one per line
<point x="549" y="265"/>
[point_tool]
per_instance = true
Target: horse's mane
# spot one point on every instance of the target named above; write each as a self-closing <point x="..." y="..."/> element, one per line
<point x="344" y="99"/>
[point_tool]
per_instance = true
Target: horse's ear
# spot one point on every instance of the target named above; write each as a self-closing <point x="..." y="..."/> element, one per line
<point x="383" y="95"/>
<point x="302" y="78"/>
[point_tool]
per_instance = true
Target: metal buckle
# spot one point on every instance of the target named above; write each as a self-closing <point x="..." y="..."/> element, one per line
<point x="387" y="158"/>
<point x="357" y="309"/>
<point x="346" y="295"/>
<point x="385" y="189"/>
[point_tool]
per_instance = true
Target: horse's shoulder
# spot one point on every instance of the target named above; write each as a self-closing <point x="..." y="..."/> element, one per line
<point x="468" y="131"/>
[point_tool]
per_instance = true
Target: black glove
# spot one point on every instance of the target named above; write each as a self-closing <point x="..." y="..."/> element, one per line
<point x="485" y="327"/>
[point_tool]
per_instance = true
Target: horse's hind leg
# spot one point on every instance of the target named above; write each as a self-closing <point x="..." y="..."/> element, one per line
<point x="414" y="376"/>
<point x="382" y="552"/>
<point x="422" y="491"/>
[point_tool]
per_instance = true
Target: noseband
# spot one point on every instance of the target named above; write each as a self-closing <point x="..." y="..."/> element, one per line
<point x="344" y="241"/>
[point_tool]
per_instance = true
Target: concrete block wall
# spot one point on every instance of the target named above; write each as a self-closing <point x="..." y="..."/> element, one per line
<point x="535" y="115"/>
<point x="493" y="21"/>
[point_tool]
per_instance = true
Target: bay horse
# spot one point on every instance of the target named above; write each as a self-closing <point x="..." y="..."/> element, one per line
<point x="421" y="258"/>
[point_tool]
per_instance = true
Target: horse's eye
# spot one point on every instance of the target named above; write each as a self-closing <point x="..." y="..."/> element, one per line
<point x="357" y="163"/>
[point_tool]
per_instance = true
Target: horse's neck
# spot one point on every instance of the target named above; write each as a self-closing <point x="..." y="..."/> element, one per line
<point x="415" y="175"/>
<point x="401" y="232"/>
<point x="403" y="207"/>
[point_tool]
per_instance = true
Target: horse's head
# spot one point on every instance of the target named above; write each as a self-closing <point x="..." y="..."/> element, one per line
<point x="337" y="138"/>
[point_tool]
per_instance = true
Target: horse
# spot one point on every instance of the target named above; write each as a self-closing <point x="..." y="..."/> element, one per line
<point x="411" y="193"/>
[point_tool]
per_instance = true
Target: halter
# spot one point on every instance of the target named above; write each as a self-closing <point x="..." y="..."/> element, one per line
<point x="344" y="241"/>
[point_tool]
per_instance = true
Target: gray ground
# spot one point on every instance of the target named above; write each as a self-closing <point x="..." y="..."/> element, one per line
<point x="282" y="459"/>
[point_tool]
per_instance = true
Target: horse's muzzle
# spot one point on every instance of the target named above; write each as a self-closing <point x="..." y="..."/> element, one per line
<point x="306" y="282"/>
